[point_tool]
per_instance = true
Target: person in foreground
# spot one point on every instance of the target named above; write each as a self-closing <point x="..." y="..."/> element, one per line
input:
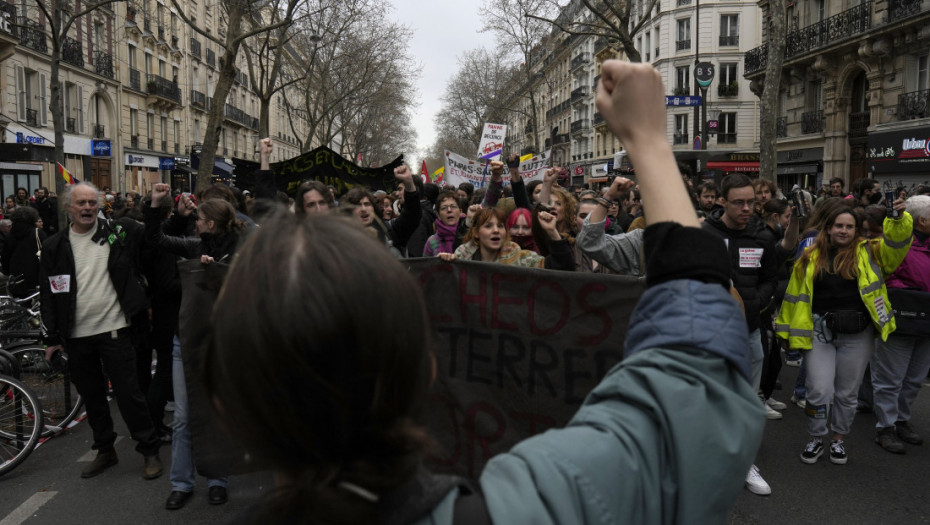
<point x="343" y="437"/>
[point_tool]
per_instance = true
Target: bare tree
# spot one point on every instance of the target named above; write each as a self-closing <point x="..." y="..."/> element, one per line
<point x="768" y="113"/>
<point x="243" y="20"/>
<point x="609" y="19"/>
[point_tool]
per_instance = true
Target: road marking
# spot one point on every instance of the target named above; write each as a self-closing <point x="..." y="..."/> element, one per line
<point x="91" y="454"/>
<point x="28" y="508"/>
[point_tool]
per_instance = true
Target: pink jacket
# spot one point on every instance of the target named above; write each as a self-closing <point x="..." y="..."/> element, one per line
<point x="914" y="272"/>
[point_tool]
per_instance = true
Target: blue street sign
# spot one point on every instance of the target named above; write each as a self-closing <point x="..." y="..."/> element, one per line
<point x="682" y="101"/>
<point x="166" y="163"/>
<point x="100" y="148"/>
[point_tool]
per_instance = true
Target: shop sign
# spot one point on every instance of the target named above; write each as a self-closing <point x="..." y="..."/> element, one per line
<point x="166" y="163"/>
<point x="141" y="160"/>
<point x="900" y="151"/>
<point x="806" y="155"/>
<point x="100" y="148"/>
<point x="22" y="138"/>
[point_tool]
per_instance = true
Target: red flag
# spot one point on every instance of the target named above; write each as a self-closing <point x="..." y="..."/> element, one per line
<point x="424" y="173"/>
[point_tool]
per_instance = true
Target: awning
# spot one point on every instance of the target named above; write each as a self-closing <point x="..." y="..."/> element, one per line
<point x="20" y="167"/>
<point x="733" y="166"/>
<point x="792" y="169"/>
<point x="220" y="167"/>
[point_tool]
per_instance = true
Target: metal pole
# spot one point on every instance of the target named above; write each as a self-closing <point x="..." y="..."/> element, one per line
<point x="697" y="45"/>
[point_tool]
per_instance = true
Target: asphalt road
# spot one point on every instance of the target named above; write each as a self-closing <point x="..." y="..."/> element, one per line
<point x="873" y="488"/>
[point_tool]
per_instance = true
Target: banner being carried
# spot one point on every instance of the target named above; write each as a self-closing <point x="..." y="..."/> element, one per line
<point x="459" y="169"/>
<point x="324" y="165"/>
<point x="491" y="146"/>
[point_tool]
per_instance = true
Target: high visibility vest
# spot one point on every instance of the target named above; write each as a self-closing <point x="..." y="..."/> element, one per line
<point x="795" y="320"/>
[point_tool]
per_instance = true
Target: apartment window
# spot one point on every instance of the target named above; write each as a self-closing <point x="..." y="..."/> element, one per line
<point x="72" y="96"/>
<point x="32" y="106"/>
<point x="683" y="40"/>
<point x="682" y="80"/>
<point x="729" y="30"/>
<point x="99" y="36"/>
<point x="728" y="84"/>
<point x="150" y="128"/>
<point x="132" y="57"/>
<point x="148" y="64"/>
<point x="821" y="10"/>
<point x="162" y="69"/>
<point x="923" y="81"/>
<point x="196" y="130"/>
<point x="164" y="133"/>
<point x="681" y="129"/>
<point x="134" y="122"/>
<point x="726" y="130"/>
<point x="814" y="96"/>
<point x="648" y="46"/>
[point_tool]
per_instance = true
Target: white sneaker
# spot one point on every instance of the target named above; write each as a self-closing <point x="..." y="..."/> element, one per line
<point x="756" y="484"/>
<point x="774" y="403"/>
<point x="772" y="413"/>
<point x="793" y="362"/>
<point x="800" y="402"/>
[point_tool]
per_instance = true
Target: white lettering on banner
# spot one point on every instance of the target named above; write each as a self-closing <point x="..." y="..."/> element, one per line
<point x="750" y="257"/>
<point x="879" y="303"/>
<point x="60" y="283"/>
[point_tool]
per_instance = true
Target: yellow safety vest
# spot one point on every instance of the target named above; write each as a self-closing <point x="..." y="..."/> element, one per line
<point x="795" y="320"/>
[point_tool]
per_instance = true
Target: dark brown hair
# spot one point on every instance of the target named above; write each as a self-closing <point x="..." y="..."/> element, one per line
<point x="305" y="188"/>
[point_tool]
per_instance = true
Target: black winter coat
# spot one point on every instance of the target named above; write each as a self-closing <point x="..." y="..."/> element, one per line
<point x="20" y="258"/>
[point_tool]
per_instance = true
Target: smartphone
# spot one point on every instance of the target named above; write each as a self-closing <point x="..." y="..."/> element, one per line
<point x="800" y="204"/>
<point x="890" y="197"/>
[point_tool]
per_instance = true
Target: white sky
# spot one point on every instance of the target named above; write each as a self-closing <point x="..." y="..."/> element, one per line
<point x="442" y="31"/>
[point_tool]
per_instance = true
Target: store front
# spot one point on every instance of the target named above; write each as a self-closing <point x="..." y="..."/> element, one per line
<point x="36" y="148"/>
<point x="900" y="158"/>
<point x="803" y="167"/>
<point x="142" y="171"/>
<point x="734" y="163"/>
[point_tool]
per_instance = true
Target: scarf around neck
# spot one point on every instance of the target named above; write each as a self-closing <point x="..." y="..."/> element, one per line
<point x="446" y="236"/>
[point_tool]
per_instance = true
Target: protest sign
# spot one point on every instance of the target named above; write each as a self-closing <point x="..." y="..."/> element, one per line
<point x="324" y="165"/>
<point x="533" y="168"/>
<point x="517" y="351"/>
<point x="491" y="146"/>
<point x="460" y="169"/>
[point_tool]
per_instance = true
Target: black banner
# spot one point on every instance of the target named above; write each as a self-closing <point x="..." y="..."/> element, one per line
<point x="324" y="165"/>
<point x="517" y="351"/>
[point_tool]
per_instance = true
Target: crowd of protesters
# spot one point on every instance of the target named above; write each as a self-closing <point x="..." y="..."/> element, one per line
<point x="814" y="283"/>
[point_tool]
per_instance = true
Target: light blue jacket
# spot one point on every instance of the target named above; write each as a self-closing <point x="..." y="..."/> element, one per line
<point x="666" y="437"/>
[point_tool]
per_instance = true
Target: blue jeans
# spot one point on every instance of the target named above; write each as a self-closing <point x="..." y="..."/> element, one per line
<point x="800" y="388"/>
<point x="756" y="357"/>
<point x="899" y="366"/>
<point x="182" y="453"/>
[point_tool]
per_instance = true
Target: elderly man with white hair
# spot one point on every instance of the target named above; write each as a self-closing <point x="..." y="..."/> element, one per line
<point x="900" y="364"/>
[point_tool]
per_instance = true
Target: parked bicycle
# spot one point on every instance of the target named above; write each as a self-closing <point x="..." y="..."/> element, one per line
<point x="21" y="420"/>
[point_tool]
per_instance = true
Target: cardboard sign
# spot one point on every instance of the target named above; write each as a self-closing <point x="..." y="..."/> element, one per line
<point x="491" y="146"/>
<point x="517" y="351"/>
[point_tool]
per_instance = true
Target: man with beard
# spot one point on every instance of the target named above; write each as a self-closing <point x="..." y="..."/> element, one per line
<point x="48" y="210"/>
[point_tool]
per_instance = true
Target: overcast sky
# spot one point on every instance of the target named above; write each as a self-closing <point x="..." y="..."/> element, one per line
<point x="442" y="31"/>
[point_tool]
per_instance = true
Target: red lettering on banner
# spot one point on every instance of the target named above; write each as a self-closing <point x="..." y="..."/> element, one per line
<point x="484" y="441"/>
<point x="424" y="282"/>
<point x="606" y="323"/>
<point x="481" y="298"/>
<point x="565" y="304"/>
<point x="497" y="299"/>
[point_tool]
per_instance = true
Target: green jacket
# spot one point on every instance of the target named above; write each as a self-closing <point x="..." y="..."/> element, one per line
<point x="878" y="258"/>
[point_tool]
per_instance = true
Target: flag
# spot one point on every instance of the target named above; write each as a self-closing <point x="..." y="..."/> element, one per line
<point x="69" y="179"/>
<point x="526" y="157"/>
<point x="437" y="176"/>
<point x="424" y="173"/>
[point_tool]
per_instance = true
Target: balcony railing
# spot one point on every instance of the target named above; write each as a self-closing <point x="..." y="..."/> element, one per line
<point x="913" y="105"/>
<point x="198" y="100"/>
<point x="162" y="87"/>
<point x="781" y="127"/>
<point x="103" y="64"/>
<point x="32" y="117"/>
<point x="211" y="58"/>
<point x="726" y="138"/>
<point x="528" y="129"/>
<point x="562" y="138"/>
<point x="732" y="40"/>
<point x="31" y="35"/>
<point x="564" y="106"/>
<point x="195" y="48"/>
<point x="70" y="124"/>
<point x="134" y="141"/>
<point x="683" y="44"/>
<point x="238" y="116"/>
<point x="812" y="122"/>
<point x="99" y="131"/>
<point x="164" y="145"/>
<point x="151" y="144"/>
<point x="598" y="119"/>
<point x="728" y="90"/>
<point x="135" y="79"/>
<point x="756" y="59"/>
<point x="898" y="9"/>
<point x="581" y="125"/>
<point x="681" y="92"/>
<point x="680" y="138"/>
<point x="71" y="52"/>
<point x="859" y="124"/>
<point x="684" y="3"/>
<point x="580" y="60"/>
<point x="579" y="94"/>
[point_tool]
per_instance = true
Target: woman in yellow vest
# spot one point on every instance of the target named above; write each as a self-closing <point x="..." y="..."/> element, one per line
<point x="835" y="302"/>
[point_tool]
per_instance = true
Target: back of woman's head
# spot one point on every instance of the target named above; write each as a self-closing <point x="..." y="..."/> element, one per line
<point x="299" y="363"/>
<point x="222" y="213"/>
<point x="776" y="206"/>
<point x="25" y="215"/>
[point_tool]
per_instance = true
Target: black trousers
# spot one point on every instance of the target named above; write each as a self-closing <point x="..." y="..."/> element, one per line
<point x="111" y="353"/>
<point x="771" y="366"/>
<point x="158" y="390"/>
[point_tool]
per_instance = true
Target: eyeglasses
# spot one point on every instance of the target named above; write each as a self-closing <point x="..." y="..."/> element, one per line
<point x="448" y="207"/>
<point x="743" y="204"/>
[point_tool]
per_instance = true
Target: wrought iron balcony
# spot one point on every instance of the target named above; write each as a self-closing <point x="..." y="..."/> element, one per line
<point x="849" y="23"/>
<point x="581" y="125"/>
<point x="812" y="122"/>
<point x="562" y="138"/>
<point x="580" y="60"/>
<point x="71" y="52"/>
<point x="594" y="86"/>
<point x="164" y="145"/>
<point x="99" y="131"/>
<point x="913" y="105"/>
<point x="579" y="94"/>
<point x="683" y="44"/>
<point x="134" y="141"/>
<point x="31" y="35"/>
<point x="728" y="90"/>
<point x="859" y="124"/>
<point x="211" y="58"/>
<point x="898" y="9"/>
<point x="103" y="64"/>
<point x="680" y="138"/>
<point x="238" y="116"/>
<point x="174" y="42"/>
<point x="681" y="91"/>
<point x="150" y="144"/>
<point x="70" y="124"/>
<point x="195" y="48"/>
<point x="198" y="100"/>
<point x="732" y="40"/>
<point x="598" y="119"/>
<point x="135" y="81"/>
<point x="756" y="59"/>
<point x="32" y="117"/>
<point x="781" y="127"/>
<point x="528" y="128"/>
<point x="163" y="88"/>
<point x="726" y="138"/>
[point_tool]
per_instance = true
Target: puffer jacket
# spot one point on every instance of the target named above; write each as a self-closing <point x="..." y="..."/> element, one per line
<point x="914" y="271"/>
<point x="753" y="263"/>
<point x="877" y="259"/>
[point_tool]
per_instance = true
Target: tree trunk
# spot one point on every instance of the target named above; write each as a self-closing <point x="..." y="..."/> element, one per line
<point x="264" y="117"/>
<point x="768" y="113"/>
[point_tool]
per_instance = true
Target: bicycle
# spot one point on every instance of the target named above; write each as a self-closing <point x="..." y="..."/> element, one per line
<point x="20" y="423"/>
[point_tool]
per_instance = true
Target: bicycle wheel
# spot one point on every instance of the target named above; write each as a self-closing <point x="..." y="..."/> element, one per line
<point x="60" y="400"/>
<point x="20" y="423"/>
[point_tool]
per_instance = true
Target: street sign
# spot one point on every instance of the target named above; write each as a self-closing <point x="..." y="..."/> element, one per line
<point x="682" y="101"/>
<point x="712" y="126"/>
<point x="697" y="143"/>
<point x="704" y="73"/>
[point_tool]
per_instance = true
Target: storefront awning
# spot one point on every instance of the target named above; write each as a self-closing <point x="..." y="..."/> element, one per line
<point x="733" y="166"/>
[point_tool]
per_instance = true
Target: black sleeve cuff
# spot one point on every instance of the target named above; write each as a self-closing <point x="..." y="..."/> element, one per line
<point x="675" y="252"/>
